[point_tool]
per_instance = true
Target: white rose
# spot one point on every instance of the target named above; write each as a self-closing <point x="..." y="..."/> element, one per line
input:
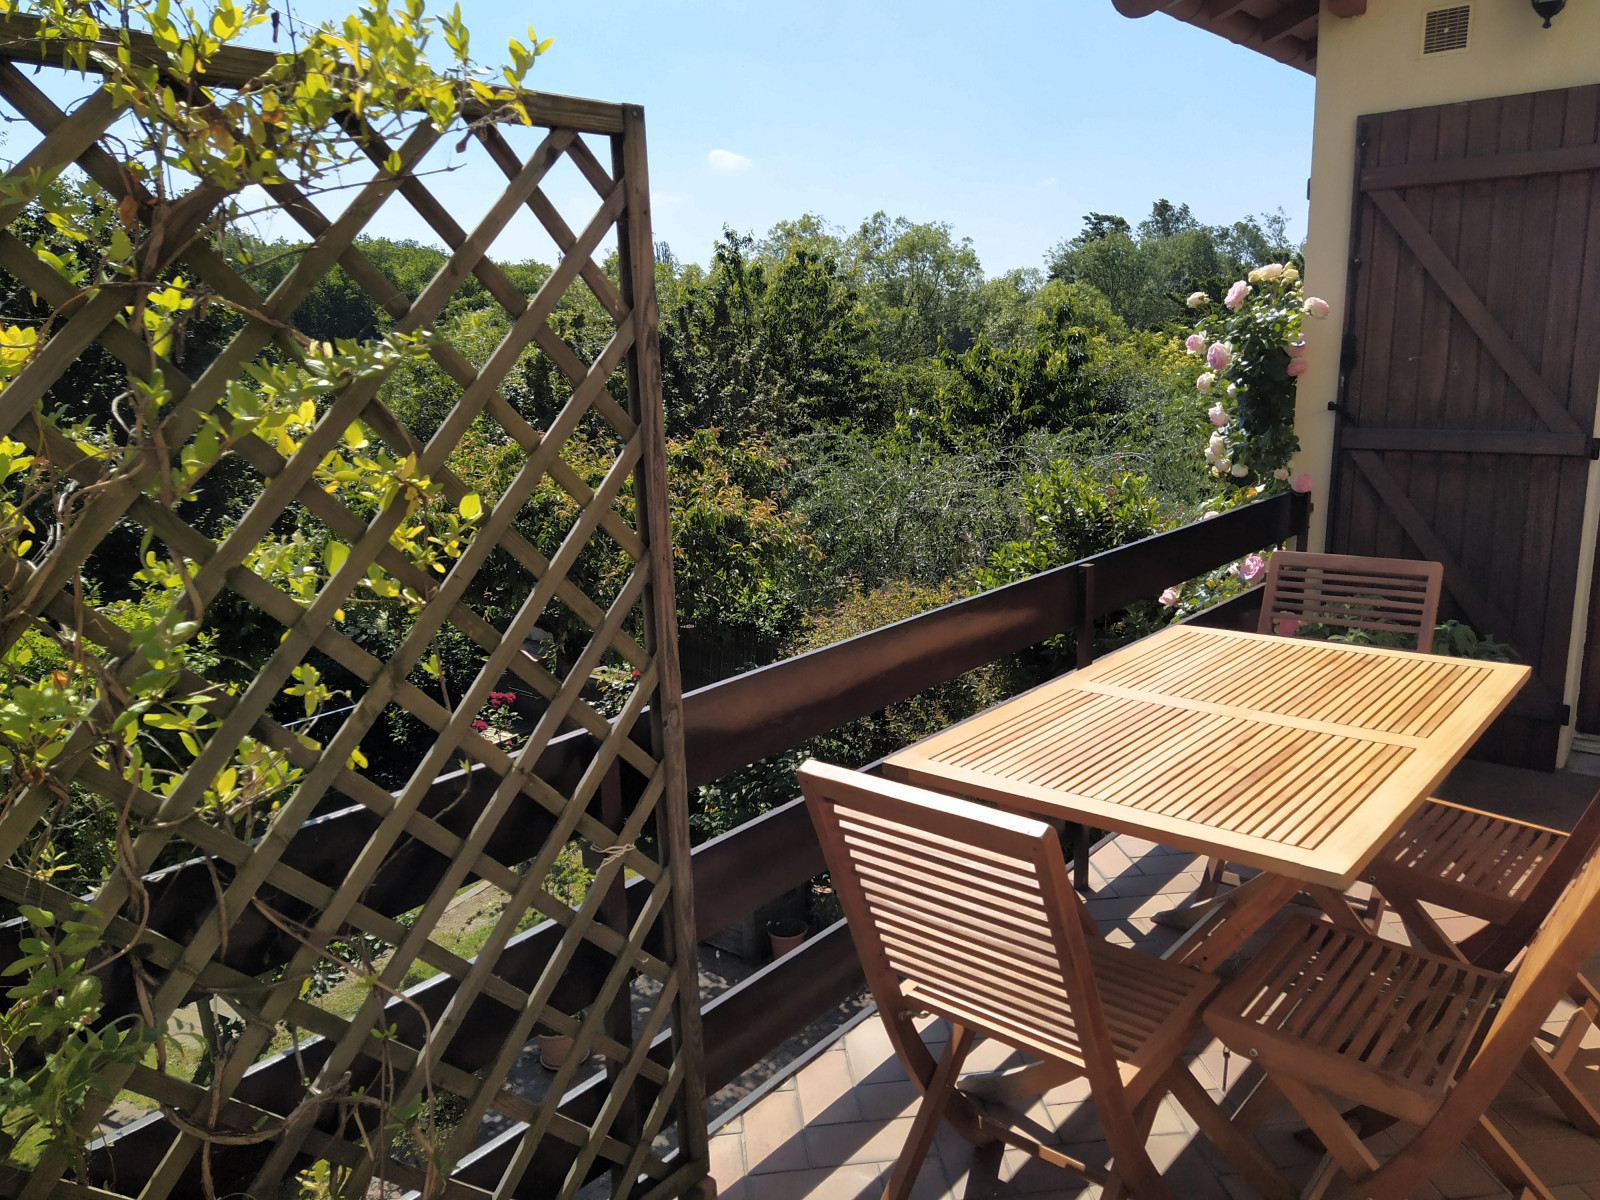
<point x="1198" y="300"/>
<point x="1267" y="274"/>
<point x="1216" y="445"/>
<point x="1281" y="473"/>
<point x="1290" y="275"/>
<point x="1205" y="381"/>
<point x="1239" y="470"/>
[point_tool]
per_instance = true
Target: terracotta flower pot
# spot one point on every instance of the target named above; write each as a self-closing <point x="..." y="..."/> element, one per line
<point x="553" y="1049"/>
<point x="786" y="935"/>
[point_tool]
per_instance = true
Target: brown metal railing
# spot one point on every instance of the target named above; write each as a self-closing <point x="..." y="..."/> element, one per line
<point x="727" y="725"/>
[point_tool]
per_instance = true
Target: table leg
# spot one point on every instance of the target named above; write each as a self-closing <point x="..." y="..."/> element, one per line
<point x="1228" y="925"/>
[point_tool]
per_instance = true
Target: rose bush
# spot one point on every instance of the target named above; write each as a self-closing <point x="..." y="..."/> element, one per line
<point x="1253" y="354"/>
<point x="1257" y="355"/>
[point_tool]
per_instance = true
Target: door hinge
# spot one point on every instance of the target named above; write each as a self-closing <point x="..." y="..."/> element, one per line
<point x="1566" y="714"/>
<point x="1594" y="447"/>
<point x="1347" y="352"/>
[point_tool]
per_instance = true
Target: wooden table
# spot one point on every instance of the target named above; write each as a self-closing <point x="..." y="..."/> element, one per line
<point x="1297" y="756"/>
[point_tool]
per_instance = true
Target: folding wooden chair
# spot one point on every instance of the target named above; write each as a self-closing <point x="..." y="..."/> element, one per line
<point x="967" y="912"/>
<point x="1329" y="1011"/>
<point x="1510" y="874"/>
<point x="1347" y="591"/>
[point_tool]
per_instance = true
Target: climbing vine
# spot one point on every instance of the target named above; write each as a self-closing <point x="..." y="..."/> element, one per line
<point x="124" y="689"/>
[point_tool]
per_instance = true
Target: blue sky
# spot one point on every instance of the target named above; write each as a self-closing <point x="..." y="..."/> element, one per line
<point x="1009" y="120"/>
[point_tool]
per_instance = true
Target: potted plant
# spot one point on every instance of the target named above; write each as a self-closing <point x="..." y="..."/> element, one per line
<point x="785" y="934"/>
<point x="554" y="1047"/>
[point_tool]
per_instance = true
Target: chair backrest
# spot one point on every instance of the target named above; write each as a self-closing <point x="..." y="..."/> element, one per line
<point x="962" y="910"/>
<point x="1395" y="595"/>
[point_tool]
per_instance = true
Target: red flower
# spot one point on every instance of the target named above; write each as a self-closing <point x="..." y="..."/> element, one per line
<point x="480" y="726"/>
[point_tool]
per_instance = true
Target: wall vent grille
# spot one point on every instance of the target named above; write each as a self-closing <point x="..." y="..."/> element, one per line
<point x="1445" y="29"/>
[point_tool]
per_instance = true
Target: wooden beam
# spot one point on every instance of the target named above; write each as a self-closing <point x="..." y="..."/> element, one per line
<point x="236" y="65"/>
<point x="1287" y="19"/>
<point x="1466" y="441"/>
<point x="1473" y="170"/>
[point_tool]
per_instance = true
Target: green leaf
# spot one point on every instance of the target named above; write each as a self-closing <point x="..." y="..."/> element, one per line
<point x="333" y="556"/>
<point x="471" y="506"/>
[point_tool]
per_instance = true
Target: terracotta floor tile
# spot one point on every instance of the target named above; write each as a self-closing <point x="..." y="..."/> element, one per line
<point x="727" y="1158"/>
<point x="1572" y="1159"/>
<point x="882" y="1101"/>
<point x="772" y="1135"/>
<point x="1463" y="1177"/>
<point x="825" y="1090"/>
<point x="863" y="1142"/>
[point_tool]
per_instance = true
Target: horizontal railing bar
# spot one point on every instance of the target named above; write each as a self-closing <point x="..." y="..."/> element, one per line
<point x="741" y="720"/>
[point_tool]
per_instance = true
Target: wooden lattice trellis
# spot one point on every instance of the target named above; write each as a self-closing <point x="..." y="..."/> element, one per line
<point x="248" y="1130"/>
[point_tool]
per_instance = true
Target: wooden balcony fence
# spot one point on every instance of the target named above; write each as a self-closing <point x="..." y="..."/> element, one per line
<point x="726" y="725"/>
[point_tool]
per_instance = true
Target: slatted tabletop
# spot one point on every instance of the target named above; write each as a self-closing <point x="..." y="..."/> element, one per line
<point x="1298" y="756"/>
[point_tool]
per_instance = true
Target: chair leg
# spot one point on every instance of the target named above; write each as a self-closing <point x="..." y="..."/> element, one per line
<point x="920" y="1066"/>
<point x="1574" y="1105"/>
<point x="1235" y="1145"/>
<point x="1501" y="1158"/>
<point x="1133" y="1175"/>
<point x="1328" y="1124"/>
<point x="1084" y="838"/>
<point x="1424" y="929"/>
<point x="929" y="1113"/>
<point x="1210" y="879"/>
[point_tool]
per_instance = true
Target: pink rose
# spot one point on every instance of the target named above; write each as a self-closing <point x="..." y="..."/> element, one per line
<point x="1287" y="626"/>
<point x="1219" y="356"/>
<point x="1315" y="306"/>
<point x="1205" y="381"/>
<point x="1301" y="482"/>
<point x="1297" y="348"/>
<point x="1237" y="293"/>
<point x="1195" y="343"/>
<point x="1281" y="473"/>
<point x="1169" y="597"/>
<point x="1298" y="366"/>
<point x="1206" y="516"/>
<point x="1217" y="415"/>
<point x="1251" y="567"/>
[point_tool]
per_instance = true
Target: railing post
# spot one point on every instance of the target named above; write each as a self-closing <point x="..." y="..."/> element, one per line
<point x="1078" y="834"/>
<point x="1086" y="614"/>
<point x="1300" y="517"/>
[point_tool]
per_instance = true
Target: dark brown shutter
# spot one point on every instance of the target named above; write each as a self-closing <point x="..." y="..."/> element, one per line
<point x="1472" y="357"/>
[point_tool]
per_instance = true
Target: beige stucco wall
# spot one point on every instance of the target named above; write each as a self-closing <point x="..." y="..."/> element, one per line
<point x="1371" y="64"/>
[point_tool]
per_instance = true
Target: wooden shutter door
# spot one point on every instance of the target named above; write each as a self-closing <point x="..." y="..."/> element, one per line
<point x="1471" y="360"/>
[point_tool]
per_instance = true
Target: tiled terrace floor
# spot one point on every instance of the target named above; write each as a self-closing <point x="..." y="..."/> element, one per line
<point x="833" y="1129"/>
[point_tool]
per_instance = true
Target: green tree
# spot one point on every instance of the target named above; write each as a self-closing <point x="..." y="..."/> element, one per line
<point x="1148" y="273"/>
